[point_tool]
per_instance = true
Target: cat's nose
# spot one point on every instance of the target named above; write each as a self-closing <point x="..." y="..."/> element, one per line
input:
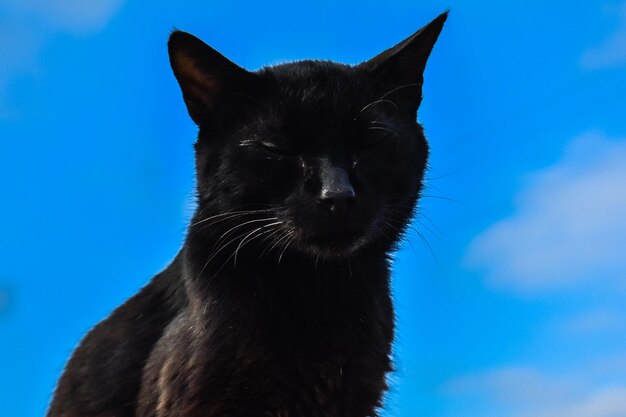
<point x="337" y="193"/>
<point x="338" y="201"/>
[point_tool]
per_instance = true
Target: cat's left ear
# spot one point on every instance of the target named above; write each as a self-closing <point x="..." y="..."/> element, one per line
<point x="401" y="67"/>
<point x="206" y="77"/>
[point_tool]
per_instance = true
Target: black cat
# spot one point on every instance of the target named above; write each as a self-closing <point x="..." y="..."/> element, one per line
<point x="278" y="304"/>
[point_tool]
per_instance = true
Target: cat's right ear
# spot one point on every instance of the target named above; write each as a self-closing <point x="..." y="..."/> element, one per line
<point x="400" y="69"/>
<point x="205" y="76"/>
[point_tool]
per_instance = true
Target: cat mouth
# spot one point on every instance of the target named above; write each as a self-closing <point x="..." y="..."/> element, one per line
<point x="335" y="242"/>
<point x="335" y="236"/>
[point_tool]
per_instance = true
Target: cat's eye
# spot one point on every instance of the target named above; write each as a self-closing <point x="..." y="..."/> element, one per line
<point x="266" y="145"/>
<point x="271" y="146"/>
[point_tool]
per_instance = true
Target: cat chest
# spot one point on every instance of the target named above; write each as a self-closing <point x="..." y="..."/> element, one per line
<point x="296" y="387"/>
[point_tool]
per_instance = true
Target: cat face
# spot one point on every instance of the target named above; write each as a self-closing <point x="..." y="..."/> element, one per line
<point x="325" y="156"/>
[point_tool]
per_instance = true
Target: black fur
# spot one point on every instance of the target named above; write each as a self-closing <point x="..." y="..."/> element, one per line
<point x="278" y="304"/>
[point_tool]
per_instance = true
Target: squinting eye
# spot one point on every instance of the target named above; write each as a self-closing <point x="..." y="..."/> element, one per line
<point x="269" y="145"/>
<point x="273" y="148"/>
<point x="265" y="145"/>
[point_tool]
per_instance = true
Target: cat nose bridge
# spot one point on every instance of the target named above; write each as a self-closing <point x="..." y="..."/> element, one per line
<point x="336" y="192"/>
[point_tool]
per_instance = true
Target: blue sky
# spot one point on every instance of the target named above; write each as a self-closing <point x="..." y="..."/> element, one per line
<point x="515" y="308"/>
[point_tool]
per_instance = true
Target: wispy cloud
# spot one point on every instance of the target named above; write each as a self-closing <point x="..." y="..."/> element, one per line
<point x="66" y="15"/>
<point x="528" y="392"/>
<point x="514" y="386"/>
<point x="26" y="26"/>
<point x="593" y="322"/>
<point x="611" y="52"/>
<point x="604" y="402"/>
<point x="19" y="49"/>
<point x="568" y="227"/>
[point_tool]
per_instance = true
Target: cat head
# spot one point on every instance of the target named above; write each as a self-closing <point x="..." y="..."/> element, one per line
<point x="323" y="157"/>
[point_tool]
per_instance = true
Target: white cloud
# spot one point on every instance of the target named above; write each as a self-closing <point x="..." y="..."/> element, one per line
<point x="569" y="225"/>
<point x="528" y="392"/>
<point x="606" y="402"/>
<point x="77" y="16"/>
<point x="19" y="49"/>
<point x="594" y="322"/>
<point x="611" y="52"/>
<point x="609" y="366"/>
<point x="25" y="25"/>
<point x="515" y="386"/>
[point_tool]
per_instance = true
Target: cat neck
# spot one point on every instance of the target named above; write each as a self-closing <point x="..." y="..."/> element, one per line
<point x="310" y="304"/>
<point x="239" y="273"/>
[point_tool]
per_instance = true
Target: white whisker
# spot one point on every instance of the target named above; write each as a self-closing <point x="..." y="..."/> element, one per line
<point x="377" y="102"/>
<point x="233" y="213"/>
<point x="398" y="88"/>
<point x="286" y="246"/>
<point x="251" y="233"/>
<point x="237" y="226"/>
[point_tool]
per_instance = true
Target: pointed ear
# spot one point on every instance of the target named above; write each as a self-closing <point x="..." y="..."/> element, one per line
<point x="205" y="76"/>
<point x="402" y="66"/>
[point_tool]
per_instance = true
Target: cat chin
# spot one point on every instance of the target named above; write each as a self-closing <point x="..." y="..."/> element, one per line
<point x="330" y="252"/>
<point x="338" y="245"/>
<point x="344" y="243"/>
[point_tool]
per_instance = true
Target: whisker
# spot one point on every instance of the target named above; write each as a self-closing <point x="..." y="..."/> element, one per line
<point x="397" y="230"/>
<point x="231" y="255"/>
<point x="237" y="226"/>
<point x="221" y="248"/>
<point x="388" y="93"/>
<point x="382" y="100"/>
<point x="422" y="214"/>
<point x="439" y="197"/>
<point x="249" y="234"/>
<point x="279" y="241"/>
<point x="267" y="248"/>
<point x="233" y="213"/>
<point x="427" y="244"/>
<point x="286" y="246"/>
<point x="395" y="209"/>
